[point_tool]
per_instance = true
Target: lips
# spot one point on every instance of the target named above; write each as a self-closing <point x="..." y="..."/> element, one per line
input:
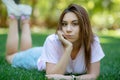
<point x="68" y="36"/>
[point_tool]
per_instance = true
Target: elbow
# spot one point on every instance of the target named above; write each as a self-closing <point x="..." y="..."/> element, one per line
<point x="49" y="72"/>
<point x="95" y="76"/>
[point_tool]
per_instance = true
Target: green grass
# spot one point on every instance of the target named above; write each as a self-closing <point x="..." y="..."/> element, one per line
<point x="110" y="65"/>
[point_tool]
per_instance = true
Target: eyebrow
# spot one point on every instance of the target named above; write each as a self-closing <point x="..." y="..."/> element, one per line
<point x="72" y="21"/>
<point x="75" y="21"/>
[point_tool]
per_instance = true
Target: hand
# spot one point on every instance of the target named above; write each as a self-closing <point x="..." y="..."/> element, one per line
<point x="65" y="42"/>
<point x="58" y="77"/>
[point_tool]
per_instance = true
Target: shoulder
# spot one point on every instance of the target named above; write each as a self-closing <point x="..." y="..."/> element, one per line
<point x="96" y="50"/>
<point x="52" y="37"/>
<point x="96" y="39"/>
<point x="96" y="43"/>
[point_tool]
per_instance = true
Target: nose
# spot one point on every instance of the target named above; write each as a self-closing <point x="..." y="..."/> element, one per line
<point x="69" y="28"/>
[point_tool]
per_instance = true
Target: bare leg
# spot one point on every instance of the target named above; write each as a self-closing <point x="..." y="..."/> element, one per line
<point x="26" y="41"/>
<point x="12" y="39"/>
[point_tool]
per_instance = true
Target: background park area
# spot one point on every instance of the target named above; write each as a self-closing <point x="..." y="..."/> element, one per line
<point x="105" y="20"/>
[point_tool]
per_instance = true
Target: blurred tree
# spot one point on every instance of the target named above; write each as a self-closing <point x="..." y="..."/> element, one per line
<point x="103" y="13"/>
<point x="3" y="16"/>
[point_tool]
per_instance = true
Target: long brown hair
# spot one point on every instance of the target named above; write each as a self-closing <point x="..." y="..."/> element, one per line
<point x="86" y="34"/>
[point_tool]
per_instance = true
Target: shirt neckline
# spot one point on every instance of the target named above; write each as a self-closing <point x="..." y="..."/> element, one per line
<point x="79" y="54"/>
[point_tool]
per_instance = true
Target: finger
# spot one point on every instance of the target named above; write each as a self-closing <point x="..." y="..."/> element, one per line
<point x="60" y="35"/>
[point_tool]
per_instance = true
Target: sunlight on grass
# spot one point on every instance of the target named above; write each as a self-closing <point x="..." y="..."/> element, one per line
<point x="111" y="36"/>
<point x="42" y="30"/>
<point x="104" y="40"/>
<point x="114" y="33"/>
<point x="35" y="30"/>
<point x="3" y="30"/>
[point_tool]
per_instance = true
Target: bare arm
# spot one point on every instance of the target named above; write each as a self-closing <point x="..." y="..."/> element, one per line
<point x="91" y="75"/>
<point x="60" y="67"/>
<point x="58" y="77"/>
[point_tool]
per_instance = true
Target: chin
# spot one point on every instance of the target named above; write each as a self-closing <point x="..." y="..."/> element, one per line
<point x="72" y="41"/>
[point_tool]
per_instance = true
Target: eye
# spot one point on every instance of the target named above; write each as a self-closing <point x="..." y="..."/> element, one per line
<point x="75" y="24"/>
<point x="64" y="24"/>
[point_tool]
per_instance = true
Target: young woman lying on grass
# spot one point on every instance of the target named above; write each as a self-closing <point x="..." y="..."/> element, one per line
<point x="73" y="49"/>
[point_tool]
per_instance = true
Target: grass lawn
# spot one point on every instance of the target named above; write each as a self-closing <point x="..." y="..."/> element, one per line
<point x="110" y="65"/>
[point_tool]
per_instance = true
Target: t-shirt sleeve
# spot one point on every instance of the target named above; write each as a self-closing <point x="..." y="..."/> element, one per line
<point x="96" y="51"/>
<point x="49" y="53"/>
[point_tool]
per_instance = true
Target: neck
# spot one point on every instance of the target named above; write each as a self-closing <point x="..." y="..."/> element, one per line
<point x="76" y="45"/>
<point x="76" y="48"/>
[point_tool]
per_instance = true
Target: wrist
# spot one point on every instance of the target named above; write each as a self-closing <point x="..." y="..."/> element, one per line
<point x="68" y="50"/>
<point x="70" y="47"/>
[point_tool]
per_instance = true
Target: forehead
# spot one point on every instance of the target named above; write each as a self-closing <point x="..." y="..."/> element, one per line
<point x="70" y="16"/>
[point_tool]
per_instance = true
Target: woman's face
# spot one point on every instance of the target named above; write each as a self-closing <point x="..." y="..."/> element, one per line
<point x="70" y="27"/>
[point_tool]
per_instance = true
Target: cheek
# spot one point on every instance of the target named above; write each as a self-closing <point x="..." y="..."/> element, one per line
<point x="63" y="29"/>
<point x="77" y="30"/>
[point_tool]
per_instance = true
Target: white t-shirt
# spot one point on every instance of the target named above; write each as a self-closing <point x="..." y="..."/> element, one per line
<point x="53" y="51"/>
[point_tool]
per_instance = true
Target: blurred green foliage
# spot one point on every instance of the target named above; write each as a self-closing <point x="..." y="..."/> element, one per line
<point x="103" y="13"/>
